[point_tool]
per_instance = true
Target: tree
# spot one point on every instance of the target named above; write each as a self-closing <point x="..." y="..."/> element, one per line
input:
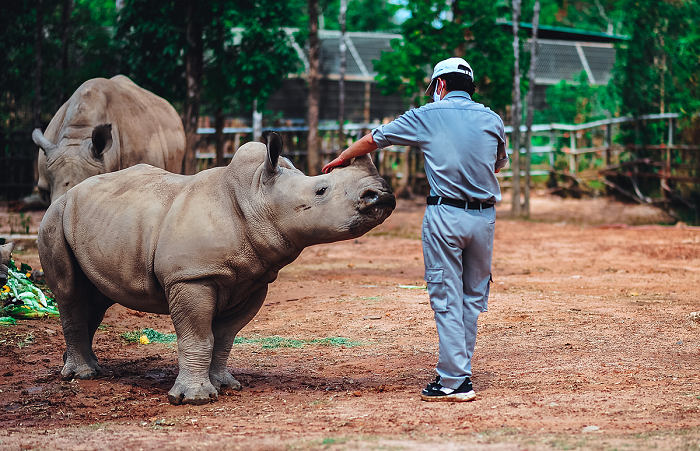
<point x="161" y="44"/>
<point x="38" y="58"/>
<point x="74" y="46"/>
<point x="530" y="106"/>
<point x="361" y="15"/>
<point x="341" y="82"/>
<point x="657" y="70"/>
<point x="313" y="77"/>
<point x="194" y="62"/>
<point x="516" y="112"/>
<point x="430" y="35"/>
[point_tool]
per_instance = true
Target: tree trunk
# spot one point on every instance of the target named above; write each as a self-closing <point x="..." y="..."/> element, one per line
<point x="314" y="91"/>
<point x="531" y="106"/>
<point x="457" y="18"/>
<point x="193" y="74"/>
<point x="65" y="26"/>
<point x="38" y="59"/>
<point x="219" y="135"/>
<point x="341" y="82"/>
<point x="515" y="113"/>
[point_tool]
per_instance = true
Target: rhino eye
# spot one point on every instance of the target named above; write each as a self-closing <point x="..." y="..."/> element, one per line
<point x="321" y="191"/>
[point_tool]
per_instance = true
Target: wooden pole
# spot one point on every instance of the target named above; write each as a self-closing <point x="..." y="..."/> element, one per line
<point x="530" y="108"/>
<point x="39" y="61"/>
<point x="219" y="135"/>
<point x="368" y="101"/>
<point x="572" y="152"/>
<point x="515" y="112"/>
<point x="313" y="160"/>
<point x="341" y="81"/>
<point x="194" y="60"/>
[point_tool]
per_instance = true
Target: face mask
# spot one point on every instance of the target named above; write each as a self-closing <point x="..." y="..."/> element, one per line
<point x="436" y="95"/>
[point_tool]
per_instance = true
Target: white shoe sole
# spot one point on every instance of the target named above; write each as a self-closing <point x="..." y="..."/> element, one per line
<point x="452" y="397"/>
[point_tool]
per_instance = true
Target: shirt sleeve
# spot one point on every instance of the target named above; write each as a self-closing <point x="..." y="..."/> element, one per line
<point x="501" y="154"/>
<point x="402" y="131"/>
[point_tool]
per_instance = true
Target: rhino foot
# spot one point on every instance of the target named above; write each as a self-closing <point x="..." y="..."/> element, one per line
<point x="74" y="370"/>
<point x="192" y="394"/>
<point x="65" y="356"/>
<point x="224" y="380"/>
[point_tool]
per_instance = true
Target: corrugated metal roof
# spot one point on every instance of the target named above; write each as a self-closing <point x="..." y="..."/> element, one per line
<point x="557" y="60"/>
<point x="565" y="60"/>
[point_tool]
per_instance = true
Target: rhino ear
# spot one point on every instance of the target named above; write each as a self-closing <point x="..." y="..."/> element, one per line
<point x="41" y="141"/>
<point x="273" y="141"/>
<point x="101" y="140"/>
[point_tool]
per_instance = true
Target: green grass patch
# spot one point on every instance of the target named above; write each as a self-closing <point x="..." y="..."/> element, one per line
<point x="276" y="341"/>
<point x="153" y="336"/>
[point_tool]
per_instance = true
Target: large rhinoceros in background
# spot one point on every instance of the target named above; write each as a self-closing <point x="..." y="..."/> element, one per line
<point x="202" y="248"/>
<point x="105" y="126"/>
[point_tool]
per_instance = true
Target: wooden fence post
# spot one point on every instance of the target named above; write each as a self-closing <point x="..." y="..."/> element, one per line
<point x="572" y="152"/>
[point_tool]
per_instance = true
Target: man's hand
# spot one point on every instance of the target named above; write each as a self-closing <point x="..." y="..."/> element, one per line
<point x="338" y="162"/>
<point x="363" y="146"/>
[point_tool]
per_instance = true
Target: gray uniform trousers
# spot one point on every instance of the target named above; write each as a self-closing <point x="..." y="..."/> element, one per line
<point x="457" y="249"/>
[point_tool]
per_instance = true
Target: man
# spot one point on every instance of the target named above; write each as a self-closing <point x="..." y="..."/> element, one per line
<point x="464" y="145"/>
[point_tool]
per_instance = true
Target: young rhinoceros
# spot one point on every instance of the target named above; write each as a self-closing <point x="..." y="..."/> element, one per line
<point x="201" y="248"/>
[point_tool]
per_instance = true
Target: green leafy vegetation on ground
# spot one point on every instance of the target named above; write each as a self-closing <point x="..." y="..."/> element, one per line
<point x="276" y="341"/>
<point x="22" y="298"/>
<point x="152" y="336"/>
<point x="148" y="335"/>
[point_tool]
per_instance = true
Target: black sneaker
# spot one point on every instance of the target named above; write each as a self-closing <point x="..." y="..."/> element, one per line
<point x="436" y="392"/>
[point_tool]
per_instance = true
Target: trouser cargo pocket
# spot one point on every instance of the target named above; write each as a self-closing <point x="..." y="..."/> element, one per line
<point x="436" y="289"/>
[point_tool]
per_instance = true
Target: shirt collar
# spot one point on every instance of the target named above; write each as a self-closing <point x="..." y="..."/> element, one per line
<point x="457" y="94"/>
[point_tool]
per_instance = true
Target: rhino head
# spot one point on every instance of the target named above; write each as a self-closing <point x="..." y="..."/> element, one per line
<point x="5" y="255"/>
<point x="79" y="154"/>
<point x="344" y="204"/>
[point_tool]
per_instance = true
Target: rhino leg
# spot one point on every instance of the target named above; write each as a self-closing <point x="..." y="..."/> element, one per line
<point x="192" y="310"/>
<point x="80" y="304"/>
<point x="225" y="330"/>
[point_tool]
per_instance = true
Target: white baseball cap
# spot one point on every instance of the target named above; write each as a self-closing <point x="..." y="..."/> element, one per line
<point x="447" y="66"/>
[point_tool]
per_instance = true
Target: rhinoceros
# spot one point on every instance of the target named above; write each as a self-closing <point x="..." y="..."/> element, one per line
<point x="202" y="248"/>
<point x="105" y="126"/>
<point x="5" y="256"/>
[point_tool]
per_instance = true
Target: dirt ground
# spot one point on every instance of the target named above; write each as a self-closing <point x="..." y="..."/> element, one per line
<point x="588" y="344"/>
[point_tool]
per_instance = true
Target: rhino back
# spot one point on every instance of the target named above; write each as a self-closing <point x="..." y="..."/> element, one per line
<point x="112" y="223"/>
<point x="145" y="127"/>
<point x="149" y="127"/>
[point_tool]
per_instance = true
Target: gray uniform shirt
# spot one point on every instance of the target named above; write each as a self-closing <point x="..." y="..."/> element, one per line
<point x="461" y="140"/>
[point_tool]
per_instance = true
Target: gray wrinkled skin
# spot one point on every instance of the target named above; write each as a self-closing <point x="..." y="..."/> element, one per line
<point x="105" y="126"/>
<point x="5" y="256"/>
<point x="201" y="248"/>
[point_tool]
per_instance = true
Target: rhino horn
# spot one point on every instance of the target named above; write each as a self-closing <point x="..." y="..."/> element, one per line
<point x="41" y="141"/>
<point x="101" y="139"/>
<point x="273" y="141"/>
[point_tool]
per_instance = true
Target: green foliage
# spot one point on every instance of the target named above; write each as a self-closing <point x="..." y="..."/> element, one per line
<point x="658" y="67"/>
<point x="429" y="38"/>
<point x="599" y="15"/>
<point x="22" y="298"/>
<point x="91" y="53"/>
<point x="576" y="103"/>
<point x="362" y="15"/>
<point x="153" y="336"/>
<point x="276" y="341"/>
<point x="246" y="53"/>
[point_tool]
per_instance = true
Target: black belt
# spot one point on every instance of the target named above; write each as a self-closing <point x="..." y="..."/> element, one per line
<point x="437" y="200"/>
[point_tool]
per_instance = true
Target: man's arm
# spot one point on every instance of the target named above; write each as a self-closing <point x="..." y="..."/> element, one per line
<point x="501" y="153"/>
<point x="363" y="146"/>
